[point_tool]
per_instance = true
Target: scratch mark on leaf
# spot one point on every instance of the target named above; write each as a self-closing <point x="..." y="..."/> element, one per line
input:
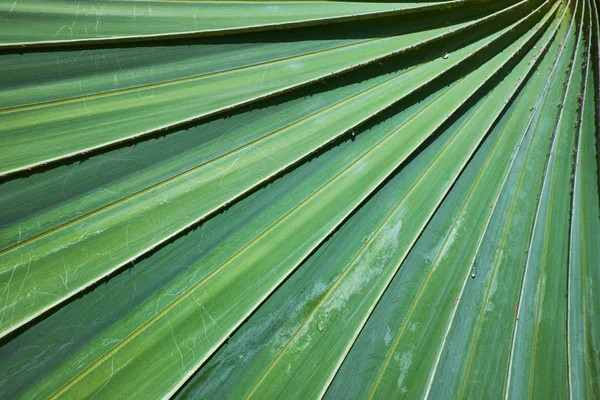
<point x="7" y="290"/>
<point x="227" y="170"/>
<point x="87" y="111"/>
<point x="263" y="75"/>
<point x="265" y="154"/>
<point x="176" y="345"/>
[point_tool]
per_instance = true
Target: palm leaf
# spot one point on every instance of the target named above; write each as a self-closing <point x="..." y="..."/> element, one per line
<point x="299" y="199"/>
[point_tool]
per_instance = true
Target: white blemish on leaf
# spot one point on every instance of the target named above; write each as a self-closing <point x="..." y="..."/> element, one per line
<point x="449" y="240"/>
<point x="388" y="336"/>
<point x="405" y="361"/>
<point x="176" y="345"/>
<point x="368" y="266"/>
<point x="412" y="326"/>
<point x="539" y="317"/>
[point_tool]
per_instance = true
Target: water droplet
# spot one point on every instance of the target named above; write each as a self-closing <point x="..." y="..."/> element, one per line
<point x="320" y="325"/>
<point x="445" y="56"/>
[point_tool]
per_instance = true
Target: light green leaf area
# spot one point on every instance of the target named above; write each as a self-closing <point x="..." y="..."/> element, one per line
<point x="299" y="199"/>
<point x="69" y="21"/>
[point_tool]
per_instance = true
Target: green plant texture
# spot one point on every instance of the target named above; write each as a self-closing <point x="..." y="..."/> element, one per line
<point x="299" y="199"/>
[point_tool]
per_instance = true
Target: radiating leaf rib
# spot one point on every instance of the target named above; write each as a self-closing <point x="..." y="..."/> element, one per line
<point x="41" y="78"/>
<point x="407" y="382"/>
<point x="541" y="308"/>
<point x="442" y="376"/>
<point x="242" y="138"/>
<point x="40" y="135"/>
<point x="130" y="237"/>
<point x="245" y="260"/>
<point x="308" y="383"/>
<point x="584" y="253"/>
<point x="318" y="273"/>
<point x="500" y="300"/>
<point x="363" y="361"/>
<point x="24" y="221"/>
<point x="374" y="162"/>
<point x="307" y="330"/>
<point x="482" y="302"/>
<point x="403" y="286"/>
<point x="596" y="68"/>
<point x="361" y="271"/>
<point x="172" y="155"/>
<point x="299" y="199"/>
<point x="67" y="22"/>
<point x="219" y="239"/>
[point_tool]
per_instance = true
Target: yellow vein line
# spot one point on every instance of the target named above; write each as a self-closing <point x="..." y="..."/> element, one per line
<point x="188" y="292"/>
<point x="539" y="291"/>
<point x="241" y="29"/>
<point x="353" y="261"/>
<point x="413" y="306"/>
<point x="228" y="261"/>
<point x="506" y="228"/>
<point x="263" y="139"/>
<point x="247" y="101"/>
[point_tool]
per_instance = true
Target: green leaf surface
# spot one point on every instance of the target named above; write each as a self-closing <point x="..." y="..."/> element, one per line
<point x="132" y="224"/>
<point x="299" y="199"/>
<point x="77" y="123"/>
<point x="584" y="255"/>
<point x="92" y="20"/>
